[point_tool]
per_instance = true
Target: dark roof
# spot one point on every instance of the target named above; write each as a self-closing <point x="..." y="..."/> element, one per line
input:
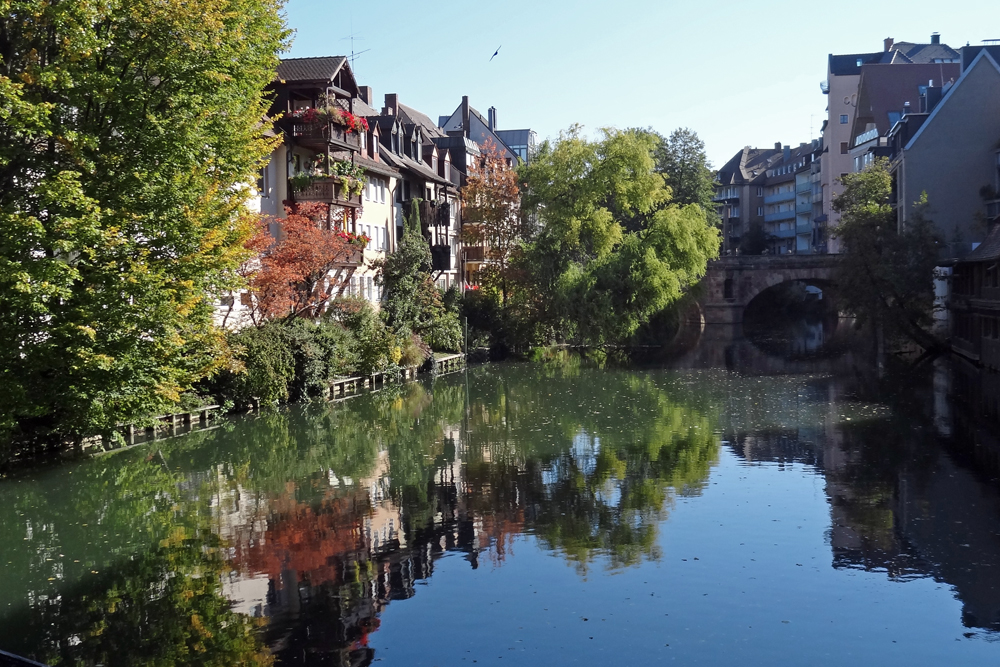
<point x="414" y="116"/>
<point x="514" y="137"/>
<point x="988" y="250"/>
<point x="310" y="69"/>
<point x="361" y="108"/>
<point x="848" y="63"/>
<point x="885" y="88"/>
<point x="926" y="53"/>
<point x="377" y="167"/>
<point x="898" y="53"/>
<point x="740" y="169"/>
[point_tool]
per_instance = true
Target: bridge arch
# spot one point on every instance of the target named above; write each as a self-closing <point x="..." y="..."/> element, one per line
<point x="731" y="283"/>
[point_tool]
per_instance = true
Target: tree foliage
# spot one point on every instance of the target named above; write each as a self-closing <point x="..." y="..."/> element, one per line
<point x="491" y="217"/>
<point x="682" y="160"/>
<point x="294" y="278"/>
<point x="128" y="134"/>
<point x="886" y="276"/>
<point x="595" y="274"/>
<point x="411" y="303"/>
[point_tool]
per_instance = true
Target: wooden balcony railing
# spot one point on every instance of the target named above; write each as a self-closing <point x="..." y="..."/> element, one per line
<point x="322" y="132"/>
<point x="330" y="191"/>
<point x="475" y="253"/>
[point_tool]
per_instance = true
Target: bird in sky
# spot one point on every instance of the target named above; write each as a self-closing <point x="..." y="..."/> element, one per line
<point x="496" y="52"/>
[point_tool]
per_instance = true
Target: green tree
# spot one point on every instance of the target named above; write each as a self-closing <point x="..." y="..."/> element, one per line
<point x="682" y="160"/>
<point x="614" y="249"/>
<point x="412" y="304"/>
<point x="129" y="132"/>
<point x="886" y="277"/>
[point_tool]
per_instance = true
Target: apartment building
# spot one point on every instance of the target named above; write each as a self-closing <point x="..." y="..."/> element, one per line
<point x="842" y="90"/>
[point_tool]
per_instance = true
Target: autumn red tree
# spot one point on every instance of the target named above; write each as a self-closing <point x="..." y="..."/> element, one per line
<point x="297" y="273"/>
<point x="490" y="204"/>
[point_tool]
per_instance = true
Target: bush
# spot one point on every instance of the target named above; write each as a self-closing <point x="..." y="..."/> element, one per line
<point x="264" y="368"/>
<point x="376" y="348"/>
<point x="414" y="352"/>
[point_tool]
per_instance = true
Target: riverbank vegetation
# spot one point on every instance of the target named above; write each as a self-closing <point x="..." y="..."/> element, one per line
<point x="886" y="275"/>
<point x="612" y="248"/>
<point x="128" y="135"/>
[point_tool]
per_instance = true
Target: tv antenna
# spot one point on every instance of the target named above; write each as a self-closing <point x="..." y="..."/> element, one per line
<point x="354" y="54"/>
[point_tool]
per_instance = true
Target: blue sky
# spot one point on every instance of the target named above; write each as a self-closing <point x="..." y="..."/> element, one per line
<point x="736" y="72"/>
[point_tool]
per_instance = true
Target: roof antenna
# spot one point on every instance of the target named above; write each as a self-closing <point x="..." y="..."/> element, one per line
<point x="354" y="56"/>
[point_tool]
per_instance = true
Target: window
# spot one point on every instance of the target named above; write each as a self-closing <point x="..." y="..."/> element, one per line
<point x="843" y="119"/>
<point x="760" y="210"/>
<point x="263" y="182"/>
<point x="760" y="191"/>
<point x="843" y="148"/>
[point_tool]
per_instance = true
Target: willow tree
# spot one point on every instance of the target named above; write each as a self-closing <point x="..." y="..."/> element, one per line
<point x="129" y="132"/>
<point x="614" y="249"/>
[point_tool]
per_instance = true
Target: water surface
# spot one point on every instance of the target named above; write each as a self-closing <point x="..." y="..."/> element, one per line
<point x="731" y="508"/>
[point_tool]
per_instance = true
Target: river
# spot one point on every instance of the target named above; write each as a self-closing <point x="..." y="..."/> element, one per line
<point x="744" y="502"/>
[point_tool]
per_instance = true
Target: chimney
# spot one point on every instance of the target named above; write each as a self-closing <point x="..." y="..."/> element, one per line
<point x="465" y="115"/>
<point x="391" y="107"/>
<point x="365" y="93"/>
<point x="889" y="41"/>
<point x="786" y="152"/>
<point x="906" y="108"/>
<point x="935" y="38"/>
<point x="777" y="145"/>
<point x="492" y="118"/>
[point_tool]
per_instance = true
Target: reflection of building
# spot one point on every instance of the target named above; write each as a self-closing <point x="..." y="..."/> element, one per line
<point x="900" y="502"/>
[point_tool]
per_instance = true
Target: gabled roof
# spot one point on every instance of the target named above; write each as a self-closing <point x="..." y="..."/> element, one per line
<point x="413" y="116"/>
<point x="310" y="69"/>
<point x="984" y="55"/>
<point x="926" y="53"/>
<point x="898" y="53"/>
<point x="988" y="250"/>
<point x="747" y="166"/>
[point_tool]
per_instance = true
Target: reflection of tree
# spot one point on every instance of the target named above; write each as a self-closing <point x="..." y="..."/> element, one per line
<point x="135" y="574"/>
<point x="279" y="510"/>
<point x="595" y="453"/>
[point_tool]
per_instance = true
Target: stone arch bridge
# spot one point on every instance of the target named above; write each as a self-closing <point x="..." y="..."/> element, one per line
<point x="731" y="283"/>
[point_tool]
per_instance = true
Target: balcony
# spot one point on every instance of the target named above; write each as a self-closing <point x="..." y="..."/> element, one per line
<point x="803" y="207"/>
<point x="328" y="191"/>
<point x="803" y="228"/>
<point x="441" y="258"/>
<point x="817" y="198"/>
<point x="322" y="133"/>
<point x="780" y="197"/>
<point x="783" y="215"/>
<point x="475" y="253"/>
<point x="782" y="233"/>
<point x="354" y="257"/>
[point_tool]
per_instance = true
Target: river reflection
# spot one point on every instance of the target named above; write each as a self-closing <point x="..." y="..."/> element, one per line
<point x="295" y="536"/>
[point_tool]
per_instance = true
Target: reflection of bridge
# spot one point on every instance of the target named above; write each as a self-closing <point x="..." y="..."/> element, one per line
<point x="732" y="282"/>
